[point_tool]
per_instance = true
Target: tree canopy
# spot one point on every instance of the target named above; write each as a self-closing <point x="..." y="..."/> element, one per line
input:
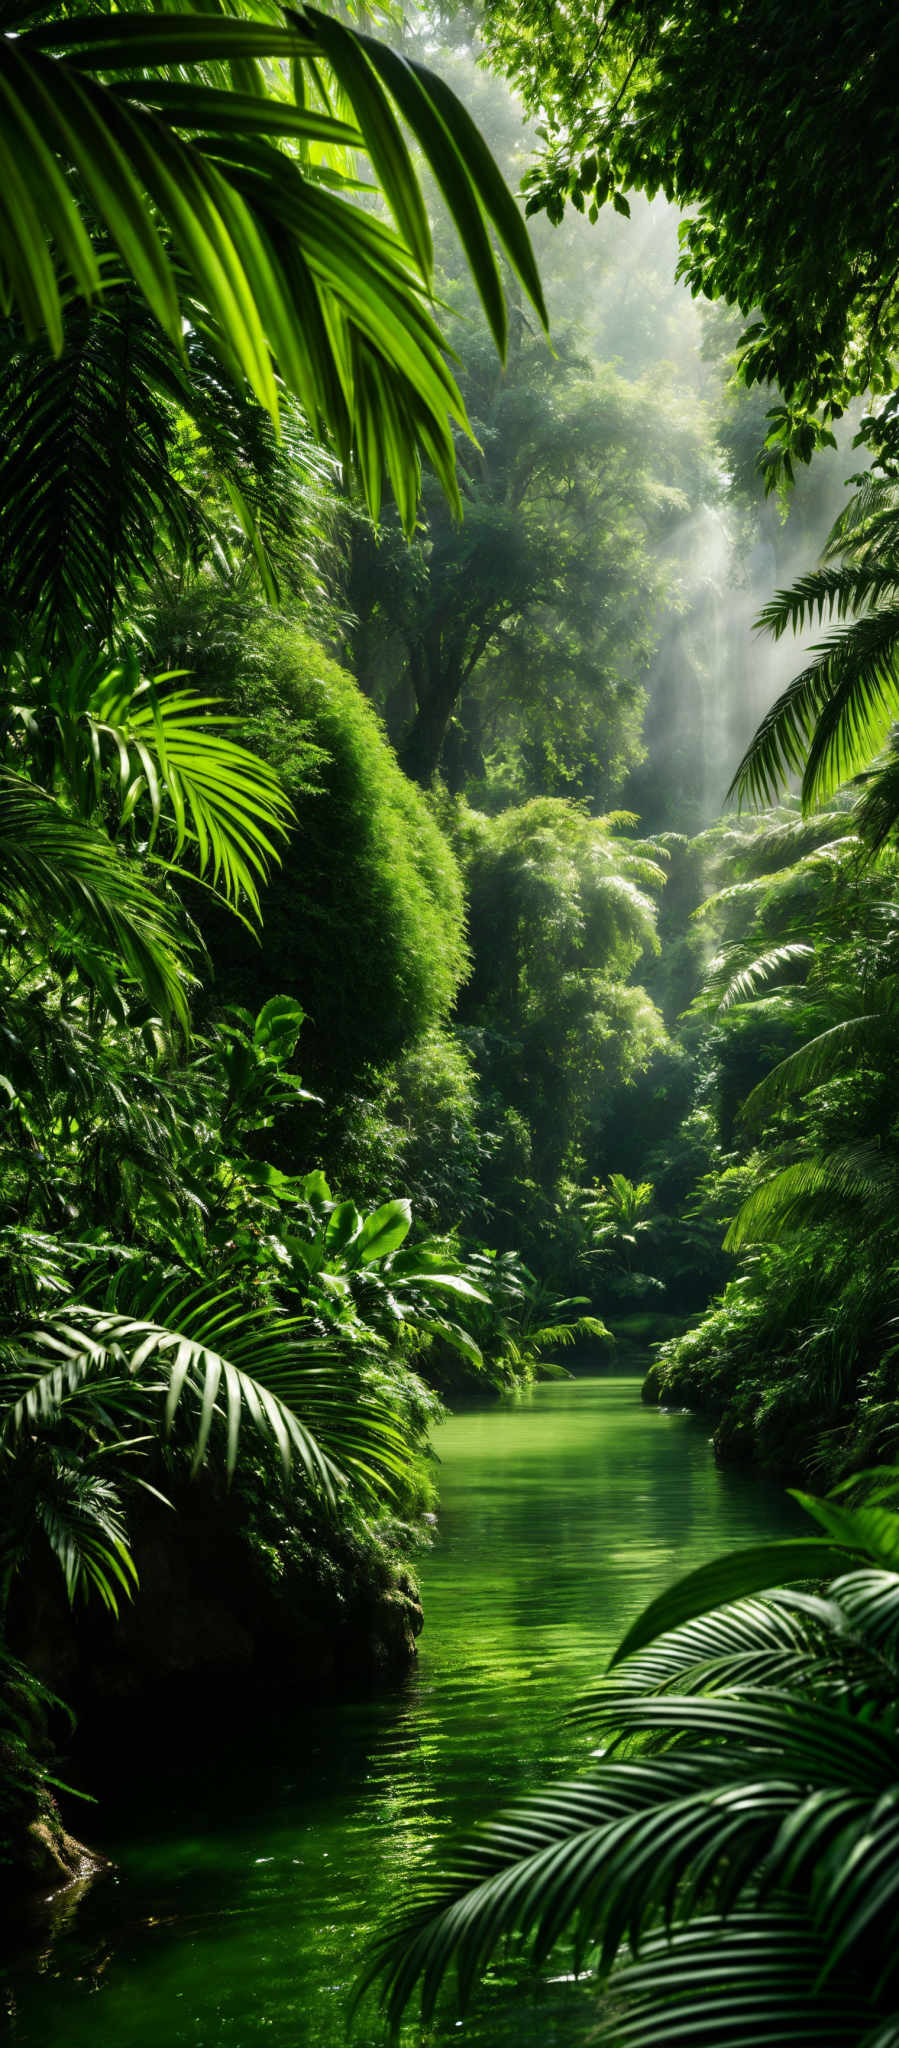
<point x="777" y="128"/>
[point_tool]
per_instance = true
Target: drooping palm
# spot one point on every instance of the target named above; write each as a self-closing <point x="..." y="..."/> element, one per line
<point x="223" y="147"/>
<point x="88" y="1383"/>
<point x="728" y="1869"/>
<point x="125" y="459"/>
<point x="61" y="876"/>
<point x="795" y="1360"/>
<point x="813" y="968"/>
<point x="121" y="746"/>
<point x="836" y="716"/>
<point x="198" y="1295"/>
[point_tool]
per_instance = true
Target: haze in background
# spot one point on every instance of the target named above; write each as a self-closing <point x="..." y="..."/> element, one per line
<point x="713" y="676"/>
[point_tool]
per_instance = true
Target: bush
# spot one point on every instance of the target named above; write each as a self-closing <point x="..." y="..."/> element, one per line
<point x="363" y="921"/>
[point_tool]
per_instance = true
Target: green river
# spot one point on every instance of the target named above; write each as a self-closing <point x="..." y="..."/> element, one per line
<point x="249" y="1874"/>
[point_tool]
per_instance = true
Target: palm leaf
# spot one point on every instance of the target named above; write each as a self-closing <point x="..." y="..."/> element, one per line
<point x="81" y="523"/>
<point x="206" y="1350"/>
<point x="543" y="1864"/>
<point x="871" y="1600"/>
<point x="831" y="721"/>
<point x="81" y="1516"/>
<point x="84" y="528"/>
<point x="829" y="593"/>
<point x="787" y="1201"/>
<point x="183" y="176"/>
<point x="52" y="866"/>
<point x="759" y="973"/>
<point x="854" y="1041"/>
<point x="754" y="1983"/>
<point x="876" y="812"/>
<point x="166" y="751"/>
<point x="747" y="1856"/>
<point x="728" y="1578"/>
<point x="780" y="1633"/>
<point x="226" y="802"/>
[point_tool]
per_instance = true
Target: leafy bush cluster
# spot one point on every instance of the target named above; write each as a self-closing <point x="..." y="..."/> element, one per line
<point x="792" y="1037"/>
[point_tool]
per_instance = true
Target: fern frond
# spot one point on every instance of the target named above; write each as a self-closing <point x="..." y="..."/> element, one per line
<point x="854" y="1040"/>
<point x="831" y="720"/>
<point x="768" y="967"/>
<point x="829" y="593"/>
<point x="811" y="1187"/>
<point x="781" y="846"/>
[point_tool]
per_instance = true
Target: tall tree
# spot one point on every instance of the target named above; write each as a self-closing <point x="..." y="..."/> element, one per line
<point x="524" y="633"/>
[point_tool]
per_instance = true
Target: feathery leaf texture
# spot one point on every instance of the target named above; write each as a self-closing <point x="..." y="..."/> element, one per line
<point x="855" y="1176"/>
<point x="203" y="1347"/>
<point x="857" y="1039"/>
<point x="124" y="118"/>
<point x="759" y="973"/>
<point x="837" y="714"/>
<point x="744" y="1850"/>
<point x="52" y="865"/>
<point x="165" y="748"/>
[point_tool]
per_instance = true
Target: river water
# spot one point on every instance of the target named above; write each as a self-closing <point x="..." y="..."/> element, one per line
<point x="250" y="1871"/>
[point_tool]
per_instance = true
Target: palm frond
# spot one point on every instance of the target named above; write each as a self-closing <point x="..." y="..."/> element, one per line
<point x="789" y="1198"/>
<point x="833" y="718"/>
<point x="729" y="1578"/>
<point x="606" y="1861"/>
<point x="82" y="526"/>
<point x="166" y="741"/>
<point x="754" y="1983"/>
<point x="81" y="1515"/>
<point x="855" y="1040"/>
<point x="52" y="866"/>
<point x="829" y="593"/>
<point x="876" y="813"/>
<point x="782" y="845"/>
<point x="871" y="1601"/>
<point x="769" y="967"/>
<point x="205" y="1350"/>
<point x="746" y="1856"/>
<point x="84" y="529"/>
<point x="872" y="513"/>
<point x="717" y="1646"/>
<point x="284" y="264"/>
<point x="571" y="1854"/>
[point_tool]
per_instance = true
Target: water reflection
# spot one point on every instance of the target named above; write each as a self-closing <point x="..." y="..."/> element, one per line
<point x="250" y="1874"/>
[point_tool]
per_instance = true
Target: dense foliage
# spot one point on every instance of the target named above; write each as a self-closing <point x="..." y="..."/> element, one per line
<point x="727" y="1869"/>
<point x="792" y="1037"/>
<point x="296" y="774"/>
<point x="742" y="115"/>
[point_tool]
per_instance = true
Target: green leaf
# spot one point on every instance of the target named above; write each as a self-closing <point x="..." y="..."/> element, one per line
<point x="730" y="1578"/>
<point x="872" y="1531"/>
<point x="343" y="1226"/>
<point x="277" y="1027"/>
<point x="382" y="1232"/>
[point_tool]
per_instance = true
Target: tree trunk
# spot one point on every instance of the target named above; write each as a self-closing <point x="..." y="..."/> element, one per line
<point x="421" y="746"/>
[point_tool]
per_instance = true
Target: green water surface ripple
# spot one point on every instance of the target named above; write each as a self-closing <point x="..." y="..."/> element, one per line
<point x="250" y="1871"/>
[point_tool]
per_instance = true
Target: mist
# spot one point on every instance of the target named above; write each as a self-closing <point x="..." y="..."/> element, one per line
<point x="711" y="676"/>
<point x="715" y="674"/>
